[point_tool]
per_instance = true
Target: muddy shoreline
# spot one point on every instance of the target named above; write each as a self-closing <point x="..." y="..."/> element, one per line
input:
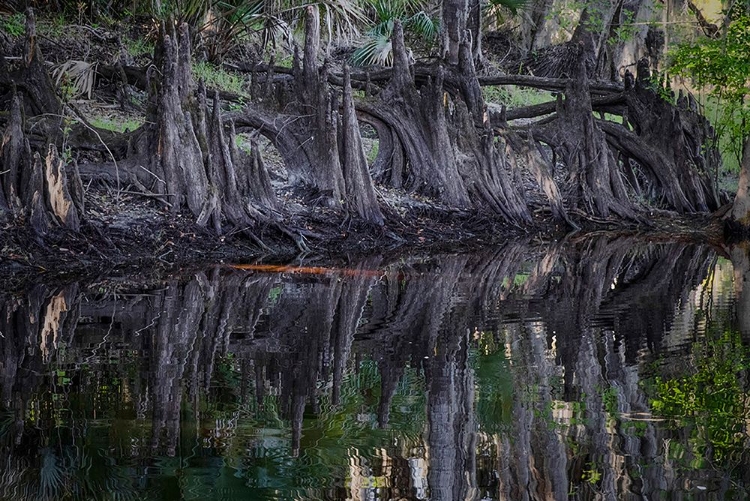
<point x="142" y="241"/>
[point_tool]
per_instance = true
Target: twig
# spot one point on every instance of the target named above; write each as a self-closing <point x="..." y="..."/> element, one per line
<point x="150" y="195"/>
<point x="157" y="177"/>
<point x="85" y="123"/>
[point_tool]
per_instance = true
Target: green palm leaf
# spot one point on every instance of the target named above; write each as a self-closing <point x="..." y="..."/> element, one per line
<point x="376" y="50"/>
<point x="423" y="25"/>
<point x="377" y="47"/>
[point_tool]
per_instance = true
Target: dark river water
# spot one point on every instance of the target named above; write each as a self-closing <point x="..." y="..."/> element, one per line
<point x="600" y="368"/>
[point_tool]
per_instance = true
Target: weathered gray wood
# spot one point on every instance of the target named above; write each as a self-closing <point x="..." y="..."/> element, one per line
<point x="12" y="157"/>
<point x="594" y="182"/>
<point x="57" y="191"/>
<point x="253" y="180"/>
<point x="682" y="136"/>
<point x="359" y="189"/>
<point x="546" y="83"/>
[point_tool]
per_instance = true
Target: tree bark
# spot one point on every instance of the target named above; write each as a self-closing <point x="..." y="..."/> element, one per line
<point x="48" y="192"/>
<point x="682" y="136"/>
<point x="58" y="191"/>
<point x="317" y="158"/>
<point x="454" y="18"/>
<point x="253" y="180"/>
<point x="34" y="80"/>
<point x="419" y="119"/>
<point x="177" y="158"/>
<point x="739" y="218"/>
<point x="359" y="189"/>
<point x="14" y="161"/>
<point x="191" y="160"/>
<point x="533" y="21"/>
<point x="594" y="182"/>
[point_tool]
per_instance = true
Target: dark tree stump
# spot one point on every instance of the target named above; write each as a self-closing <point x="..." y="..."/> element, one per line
<point x="191" y="161"/>
<point x="319" y="141"/>
<point x="34" y="79"/>
<point x="53" y="195"/>
<point x="685" y="141"/>
<point x="312" y="153"/>
<point x="253" y="180"/>
<point x="176" y="156"/>
<point x="594" y="183"/>
<point x="387" y="169"/>
<point x="47" y="192"/>
<point x="446" y="142"/>
<point x="419" y="119"/>
<point x="14" y="161"/>
<point x="226" y="197"/>
<point x="58" y="191"/>
<point x="359" y="190"/>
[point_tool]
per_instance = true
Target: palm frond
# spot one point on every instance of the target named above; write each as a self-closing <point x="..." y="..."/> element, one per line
<point x="382" y="29"/>
<point x="79" y="75"/>
<point x="423" y="25"/>
<point x="341" y="16"/>
<point x="377" y="50"/>
<point x="389" y="9"/>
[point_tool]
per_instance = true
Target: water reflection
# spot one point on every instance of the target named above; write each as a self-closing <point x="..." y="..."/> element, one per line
<point x="530" y="372"/>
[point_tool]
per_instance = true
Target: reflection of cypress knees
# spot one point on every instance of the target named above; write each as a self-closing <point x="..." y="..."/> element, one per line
<point x="314" y="330"/>
<point x="32" y="331"/>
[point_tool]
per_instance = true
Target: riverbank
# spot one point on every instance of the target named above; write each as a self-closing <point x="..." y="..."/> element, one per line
<point x="149" y="190"/>
<point x="132" y="235"/>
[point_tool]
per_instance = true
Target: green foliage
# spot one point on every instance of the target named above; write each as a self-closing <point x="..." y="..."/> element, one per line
<point x="730" y="120"/>
<point x="417" y="22"/>
<point x="216" y="78"/>
<point x="138" y="47"/>
<point x="720" y="63"/>
<point x="494" y="383"/>
<point x="723" y="66"/>
<point x="14" y="25"/>
<point x="115" y="125"/>
<point x="513" y="96"/>
<point x="626" y="29"/>
<point x="711" y="399"/>
<point x="659" y="84"/>
<point x="592" y="475"/>
<point x="372" y="152"/>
